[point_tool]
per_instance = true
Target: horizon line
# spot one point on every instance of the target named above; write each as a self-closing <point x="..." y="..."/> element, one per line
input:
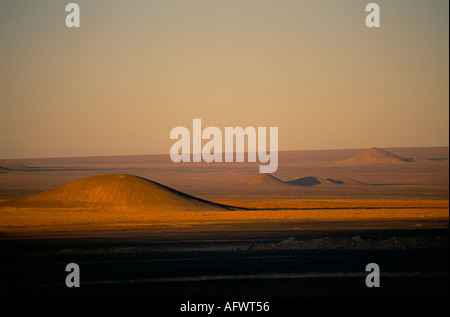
<point x="168" y="154"/>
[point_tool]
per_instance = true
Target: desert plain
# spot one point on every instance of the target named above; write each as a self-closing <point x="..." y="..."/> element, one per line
<point x="210" y="229"/>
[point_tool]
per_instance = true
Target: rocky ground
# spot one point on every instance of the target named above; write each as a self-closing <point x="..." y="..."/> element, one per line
<point x="355" y="242"/>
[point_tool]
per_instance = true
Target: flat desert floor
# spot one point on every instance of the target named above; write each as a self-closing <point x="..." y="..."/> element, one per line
<point x="318" y="220"/>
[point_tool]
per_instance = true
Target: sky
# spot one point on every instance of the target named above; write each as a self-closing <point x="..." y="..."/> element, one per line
<point x="136" y="69"/>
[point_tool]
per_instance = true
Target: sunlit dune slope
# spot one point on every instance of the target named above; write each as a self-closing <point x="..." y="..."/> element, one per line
<point x="375" y="155"/>
<point x="116" y="191"/>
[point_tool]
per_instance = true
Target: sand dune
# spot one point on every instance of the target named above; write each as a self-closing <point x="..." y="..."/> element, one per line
<point x="313" y="180"/>
<point x="269" y="180"/>
<point x="116" y="191"/>
<point x="375" y="155"/>
<point x="265" y="180"/>
<point x="307" y="181"/>
<point x="4" y="169"/>
<point x="347" y="180"/>
<point x="13" y="165"/>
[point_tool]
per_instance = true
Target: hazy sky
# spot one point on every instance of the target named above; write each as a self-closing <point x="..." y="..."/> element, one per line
<point x="136" y="69"/>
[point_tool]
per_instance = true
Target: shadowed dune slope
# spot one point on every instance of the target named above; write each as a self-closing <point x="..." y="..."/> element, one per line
<point x="116" y="191"/>
<point x="375" y="155"/>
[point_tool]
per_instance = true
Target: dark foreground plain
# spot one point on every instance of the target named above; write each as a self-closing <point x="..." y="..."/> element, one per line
<point x="223" y="263"/>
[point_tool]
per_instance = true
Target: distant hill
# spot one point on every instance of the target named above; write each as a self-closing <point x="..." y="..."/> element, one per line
<point x="13" y="165"/>
<point x="264" y="179"/>
<point x="375" y="155"/>
<point x="347" y="180"/>
<point x="313" y="180"/>
<point x="3" y="169"/>
<point x="306" y="181"/>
